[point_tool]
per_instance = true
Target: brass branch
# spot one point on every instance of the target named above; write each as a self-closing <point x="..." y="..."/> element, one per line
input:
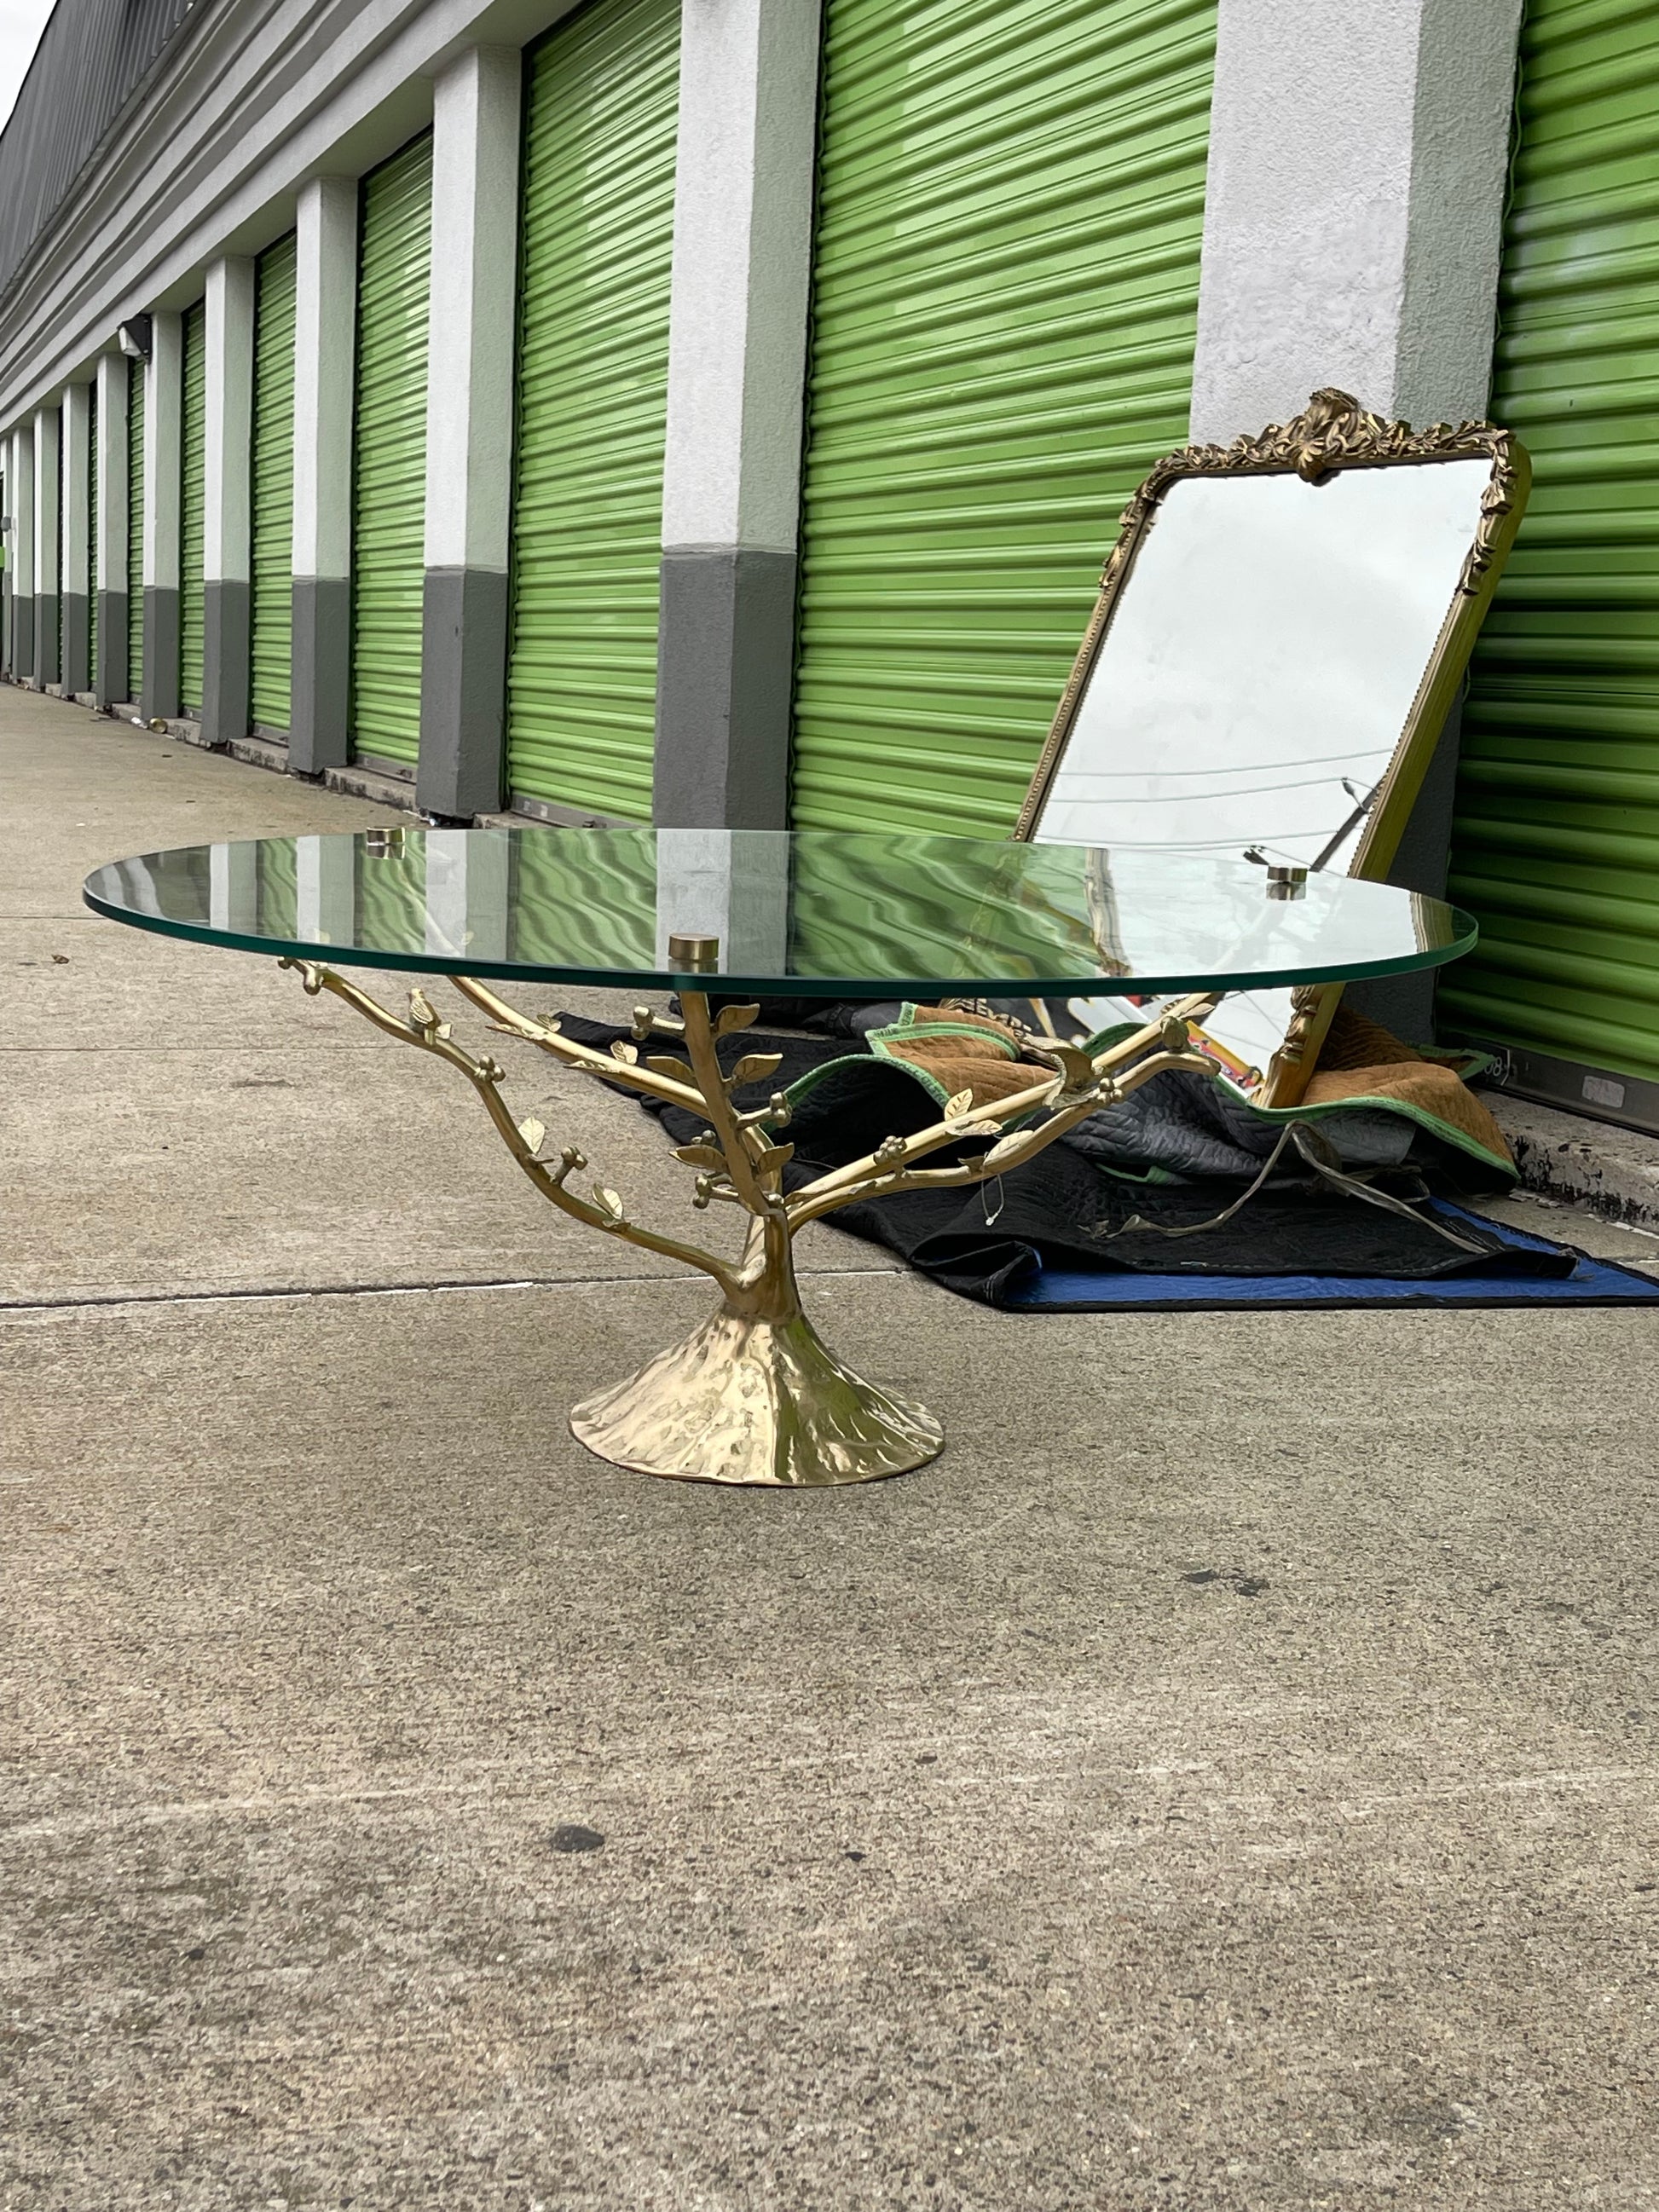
<point x="547" y="1037"/>
<point x="737" y="1160"/>
<point x="890" y="1168"/>
<point x="424" y="1030"/>
<point x="755" y="1167"/>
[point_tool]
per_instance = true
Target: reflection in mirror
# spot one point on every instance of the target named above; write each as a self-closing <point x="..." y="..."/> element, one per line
<point x="1279" y="634"/>
<point x="1262" y="661"/>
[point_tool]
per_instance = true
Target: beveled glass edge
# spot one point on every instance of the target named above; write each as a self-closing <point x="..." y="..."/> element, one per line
<point x="723" y="984"/>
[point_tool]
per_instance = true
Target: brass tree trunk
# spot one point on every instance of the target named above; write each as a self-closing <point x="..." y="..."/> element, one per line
<point x="754" y="1396"/>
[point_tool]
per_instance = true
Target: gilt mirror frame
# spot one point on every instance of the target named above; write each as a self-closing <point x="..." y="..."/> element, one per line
<point x="1333" y="432"/>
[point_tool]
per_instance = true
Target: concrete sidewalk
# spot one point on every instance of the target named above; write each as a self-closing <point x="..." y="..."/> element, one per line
<point x="1225" y="1779"/>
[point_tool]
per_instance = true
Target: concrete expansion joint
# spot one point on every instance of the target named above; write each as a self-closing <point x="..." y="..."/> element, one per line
<point x="301" y="1293"/>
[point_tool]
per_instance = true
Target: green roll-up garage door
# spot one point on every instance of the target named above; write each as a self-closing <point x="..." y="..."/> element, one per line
<point x="598" y="213"/>
<point x="1011" y="201"/>
<point x="192" y="505"/>
<point x="1556" y="835"/>
<point x="272" y="489"/>
<point x="389" y="471"/>
<point x="135" y="529"/>
<point x="92" y="536"/>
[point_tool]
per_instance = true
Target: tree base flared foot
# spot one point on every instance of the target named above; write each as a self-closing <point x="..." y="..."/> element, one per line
<point x="757" y="1403"/>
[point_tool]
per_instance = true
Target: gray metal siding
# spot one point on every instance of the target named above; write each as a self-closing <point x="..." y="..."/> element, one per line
<point x="92" y="57"/>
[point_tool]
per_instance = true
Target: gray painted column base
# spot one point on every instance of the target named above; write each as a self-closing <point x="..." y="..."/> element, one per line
<point x="319" y="735"/>
<point x="109" y="678"/>
<point x="22" y="636"/>
<point x="463" y="692"/>
<point x="45" y="637"/>
<point x="77" y="669"/>
<point x="160" y="692"/>
<point x="226" y="674"/>
<point x="726" y="645"/>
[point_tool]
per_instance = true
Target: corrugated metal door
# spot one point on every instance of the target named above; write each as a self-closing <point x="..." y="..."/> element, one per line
<point x="91" y="537"/>
<point x="135" y="529"/>
<point x="389" y="471"/>
<point x="277" y="882"/>
<point x="272" y="488"/>
<point x="598" y="213"/>
<point x="192" y="505"/>
<point x="1556" y="837"/>
<point x="1010" y="200"/>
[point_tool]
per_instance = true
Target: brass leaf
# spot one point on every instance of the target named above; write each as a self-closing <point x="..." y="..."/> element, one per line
<point x="958" y="1104"/>
<point x="534" y="1133"/>
<point x="734" y="1017"/>
<point x="701" y="1156"/>
<point x="421" y="1010"/>
<point x="754" y="1067"/>
<point x="625" y="1052"/>
<point x="608" y="1202"/>
<point x="664" y="1063"/>
<point x="774" y="1156"/>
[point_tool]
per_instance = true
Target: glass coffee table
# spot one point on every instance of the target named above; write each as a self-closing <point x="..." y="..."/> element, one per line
<point x="753" y="1396"/>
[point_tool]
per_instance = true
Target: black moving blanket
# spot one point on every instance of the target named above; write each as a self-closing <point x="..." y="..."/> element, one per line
<point x="1064" y="1207"/>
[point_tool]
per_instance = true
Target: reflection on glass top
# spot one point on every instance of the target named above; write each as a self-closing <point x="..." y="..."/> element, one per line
<point x="822" y="913"/>
<point x="1262" y="659"/>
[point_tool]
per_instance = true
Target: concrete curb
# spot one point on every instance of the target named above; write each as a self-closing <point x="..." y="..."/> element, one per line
<point x="1613" y="1171"/>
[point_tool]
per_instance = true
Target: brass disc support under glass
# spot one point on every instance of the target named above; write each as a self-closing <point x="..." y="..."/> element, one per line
<point x="753" y="1396"/>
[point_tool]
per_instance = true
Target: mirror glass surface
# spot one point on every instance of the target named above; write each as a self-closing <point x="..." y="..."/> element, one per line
<point x="1257" y="673"/>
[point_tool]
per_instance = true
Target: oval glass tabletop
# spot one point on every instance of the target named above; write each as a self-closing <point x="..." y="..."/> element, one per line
<point x="818" y="914"/>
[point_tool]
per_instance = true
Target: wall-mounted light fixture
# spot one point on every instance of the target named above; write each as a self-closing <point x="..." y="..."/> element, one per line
<point x="134" y="337"/>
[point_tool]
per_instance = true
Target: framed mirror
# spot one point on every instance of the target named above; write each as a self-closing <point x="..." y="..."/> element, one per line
<point x="1281" y="631"/>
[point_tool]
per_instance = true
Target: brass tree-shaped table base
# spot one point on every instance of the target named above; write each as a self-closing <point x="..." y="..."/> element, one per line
<point x="753" y="1396"/>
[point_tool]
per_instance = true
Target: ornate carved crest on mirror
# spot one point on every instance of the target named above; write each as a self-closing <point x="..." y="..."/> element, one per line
<point x="1281" y="630"/>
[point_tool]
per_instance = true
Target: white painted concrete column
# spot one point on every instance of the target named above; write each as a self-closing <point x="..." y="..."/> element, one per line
<point x="20" y="494"/>
<point x="109" y="677"/>
<point x="1353" y="232"/>
<point x="325" y="349"/>
<point x="743" y="233"/>
<point x="735" y="890"/>
<point x="233" y="887"/>
<point x="164" y="389"/>
<point x="469" y="432"/>
<point x="325" y="884"/>
<point x="48" y="555"/>
<point x="227" y="526"/>
<point x="5" y="564"/>
<point x="77" y="673"/>
<point x="468" y="872"/>
<point x="1353" y="219"/>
